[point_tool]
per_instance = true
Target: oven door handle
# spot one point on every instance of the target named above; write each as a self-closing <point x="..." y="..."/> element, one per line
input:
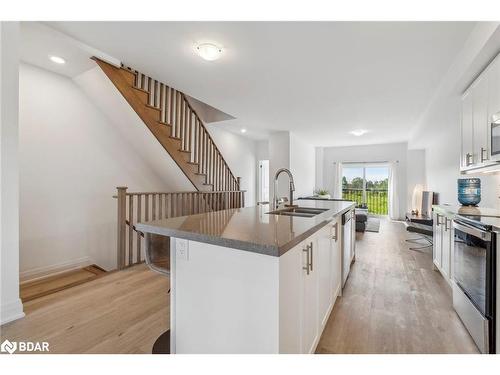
<point x="473" y="231"/>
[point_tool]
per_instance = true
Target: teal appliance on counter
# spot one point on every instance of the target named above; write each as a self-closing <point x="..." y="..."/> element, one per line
<point x="469" y="191"/>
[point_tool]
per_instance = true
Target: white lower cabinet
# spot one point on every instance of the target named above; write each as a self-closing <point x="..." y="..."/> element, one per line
<point x="310" y="277"/>
<point x="443" y="242"/>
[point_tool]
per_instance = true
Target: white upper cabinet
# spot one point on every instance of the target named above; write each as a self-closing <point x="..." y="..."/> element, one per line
<point x="480" y="119"/>
<point x="479" y="102"/>
<point x="467" y="126"/>
<point x="493" y="89"/>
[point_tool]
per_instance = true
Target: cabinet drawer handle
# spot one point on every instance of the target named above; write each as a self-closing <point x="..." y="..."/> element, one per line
<point x="468" y="157"/>
<point x="311" y="248"/>
<point x="437" y="220"/>
<point x="306" y="250"/>
<point x="336" y="235"/>
<point x="483" y="150"/>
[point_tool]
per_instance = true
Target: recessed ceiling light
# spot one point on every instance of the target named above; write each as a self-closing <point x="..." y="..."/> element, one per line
<point x="57" y="59"/>
<point x="209" y="51"/>
<point x="243" y="130"/>
<point x="358" y="132"/>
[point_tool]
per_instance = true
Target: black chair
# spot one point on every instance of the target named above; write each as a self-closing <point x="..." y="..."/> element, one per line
<point x="158" y="259"/>
<point x="424" y="230"/>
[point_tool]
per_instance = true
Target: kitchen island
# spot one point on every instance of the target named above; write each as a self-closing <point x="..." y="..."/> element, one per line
<point x="246" y="281"/>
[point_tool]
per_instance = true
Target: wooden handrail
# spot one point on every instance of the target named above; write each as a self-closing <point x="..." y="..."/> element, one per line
<point x="134" y="207"/>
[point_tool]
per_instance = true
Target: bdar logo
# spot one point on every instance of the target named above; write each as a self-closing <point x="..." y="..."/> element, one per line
<point x="8" y="346"/>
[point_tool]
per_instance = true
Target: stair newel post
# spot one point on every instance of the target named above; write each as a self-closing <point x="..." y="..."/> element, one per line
<point x="121" y="228"/>
<point x="239" y="201"/>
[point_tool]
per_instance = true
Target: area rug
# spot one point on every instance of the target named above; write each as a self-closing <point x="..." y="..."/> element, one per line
<point x="373" y="224"/>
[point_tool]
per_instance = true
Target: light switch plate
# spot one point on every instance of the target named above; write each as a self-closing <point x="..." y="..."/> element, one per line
<point x="182" y="247"/>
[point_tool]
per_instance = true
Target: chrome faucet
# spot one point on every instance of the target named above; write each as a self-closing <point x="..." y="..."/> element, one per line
<point x="277" y="200"/>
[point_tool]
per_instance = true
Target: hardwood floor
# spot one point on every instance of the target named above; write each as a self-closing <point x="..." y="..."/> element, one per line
<point x="394" y="302"/>
<point x="123" y="312"/>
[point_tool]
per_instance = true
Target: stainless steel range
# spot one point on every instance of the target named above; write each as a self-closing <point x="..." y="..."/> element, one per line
<point x="474" y="281"/>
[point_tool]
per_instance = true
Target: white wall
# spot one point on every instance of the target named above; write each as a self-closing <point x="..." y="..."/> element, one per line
<point x="72" y="158"/>
<point x="415" y="176"/>
<point x="10" y="305"/>
<point x="279" y="157"/>
<point x="368" y="153"/>
<point x="286" y="150"/>
<point x="438" y="130"/>
<point x="240" y="154"/>
<point x="302" y="166"/>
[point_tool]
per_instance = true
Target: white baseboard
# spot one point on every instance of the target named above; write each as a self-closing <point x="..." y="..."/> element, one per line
<point x="11" y="311"/>
<point x="41" y="272"/>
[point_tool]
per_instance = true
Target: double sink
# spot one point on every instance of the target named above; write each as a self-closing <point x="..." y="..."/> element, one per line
<point x="298" y="211"/>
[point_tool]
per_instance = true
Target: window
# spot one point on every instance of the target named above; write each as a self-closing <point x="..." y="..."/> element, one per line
<point x="367" y="185"/>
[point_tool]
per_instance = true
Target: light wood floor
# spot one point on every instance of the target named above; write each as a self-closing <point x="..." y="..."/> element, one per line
<point x="123" y="312"/>
<point x="394" y="302"/>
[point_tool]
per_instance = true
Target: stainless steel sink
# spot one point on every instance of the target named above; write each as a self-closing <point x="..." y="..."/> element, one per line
<point x="298" y="211"/>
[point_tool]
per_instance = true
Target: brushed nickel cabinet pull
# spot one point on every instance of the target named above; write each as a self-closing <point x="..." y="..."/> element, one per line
<point x="306" y="250"/>
<point x="336" y="235"/>
<point x="311" y="248"/>
<point x="468" y="157"/>
<point x="482" y="153"/>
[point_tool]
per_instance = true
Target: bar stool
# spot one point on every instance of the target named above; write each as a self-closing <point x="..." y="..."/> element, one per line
<point x="158" y="259"/>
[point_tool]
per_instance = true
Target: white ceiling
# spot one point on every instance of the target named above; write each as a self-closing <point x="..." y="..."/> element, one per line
<point x="317" y="79"/>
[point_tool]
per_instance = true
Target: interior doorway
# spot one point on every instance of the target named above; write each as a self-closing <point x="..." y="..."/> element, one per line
<point x="263" y="192"/>
<point x="368" y="185"/>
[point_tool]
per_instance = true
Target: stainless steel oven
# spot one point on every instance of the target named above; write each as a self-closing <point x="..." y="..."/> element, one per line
<point x="474" y="281"/>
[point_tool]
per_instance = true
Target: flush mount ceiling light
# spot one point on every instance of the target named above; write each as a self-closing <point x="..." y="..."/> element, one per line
<point x="57" y="60"/>
<point x="243" y="130"/>
<point x="358" y="132"/>
<point x="208" y="51"/>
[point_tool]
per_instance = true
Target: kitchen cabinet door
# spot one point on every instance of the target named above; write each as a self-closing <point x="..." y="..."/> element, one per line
<point x="480" y="119"/>
<point x="336" y="260"/>
<point x="437" y="240"/>
<point x="466" y="131"/>
<point x="324" y="268"/>
<point x="493" y="89"/>
<point x="310" y="299"/>
<point x="445" y="248"/>
<point x="290" y="299"/>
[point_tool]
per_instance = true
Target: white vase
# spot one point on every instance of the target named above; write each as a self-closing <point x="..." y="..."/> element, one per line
<point x="325" y="196"/>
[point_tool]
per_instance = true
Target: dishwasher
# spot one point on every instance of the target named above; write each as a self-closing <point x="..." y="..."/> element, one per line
<point x="347" y="244"/>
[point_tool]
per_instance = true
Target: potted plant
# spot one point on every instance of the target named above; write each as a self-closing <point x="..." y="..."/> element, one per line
<point x="322" y="193"/>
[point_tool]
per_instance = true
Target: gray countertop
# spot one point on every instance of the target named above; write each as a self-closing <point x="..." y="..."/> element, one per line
<point x="483" y="215"/>
<point x="250" y="228"/>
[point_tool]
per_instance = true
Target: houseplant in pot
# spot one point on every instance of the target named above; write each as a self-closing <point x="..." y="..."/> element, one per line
<point x="322" y="193"/>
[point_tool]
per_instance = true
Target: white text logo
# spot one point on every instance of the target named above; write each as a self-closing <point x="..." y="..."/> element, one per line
<point x="24" y="346"/>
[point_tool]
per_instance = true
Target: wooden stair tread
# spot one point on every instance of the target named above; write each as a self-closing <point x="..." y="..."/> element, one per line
<point x="52" y="284"/>
<point x="139" y="89"/>
<point x="153" y="107"/>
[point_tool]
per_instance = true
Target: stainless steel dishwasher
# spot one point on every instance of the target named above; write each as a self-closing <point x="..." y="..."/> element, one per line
<point x="347" y="244"/>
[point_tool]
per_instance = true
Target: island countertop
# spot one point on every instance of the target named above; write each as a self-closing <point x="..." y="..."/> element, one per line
<point x="250" y="228"/>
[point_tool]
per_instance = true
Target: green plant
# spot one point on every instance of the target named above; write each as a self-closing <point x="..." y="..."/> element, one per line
<point x="322" y="192"/>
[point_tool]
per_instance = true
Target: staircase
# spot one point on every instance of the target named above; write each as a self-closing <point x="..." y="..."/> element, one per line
<point x="176" y="125"/>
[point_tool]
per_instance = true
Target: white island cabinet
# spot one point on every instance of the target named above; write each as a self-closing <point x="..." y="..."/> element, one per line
<point x="248" y="281"/>
<point x="226" y="300"/>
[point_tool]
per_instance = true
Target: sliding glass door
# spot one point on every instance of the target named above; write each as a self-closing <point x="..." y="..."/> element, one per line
<point x="367" y="185"/>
